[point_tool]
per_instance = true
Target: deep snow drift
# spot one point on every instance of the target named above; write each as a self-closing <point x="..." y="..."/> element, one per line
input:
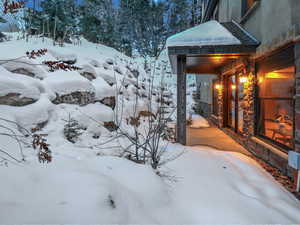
<point x="89" y="183"/>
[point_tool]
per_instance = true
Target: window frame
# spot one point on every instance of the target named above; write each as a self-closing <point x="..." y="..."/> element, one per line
<point x="269" y="64"/>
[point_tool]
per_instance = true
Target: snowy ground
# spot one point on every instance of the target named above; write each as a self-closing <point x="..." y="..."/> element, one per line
<point x="88" y="184"/>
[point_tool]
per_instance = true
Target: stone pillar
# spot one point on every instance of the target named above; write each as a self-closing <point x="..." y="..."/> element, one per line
<point x="248" y="101"/>
<point x="181" y="100"/>
<point x="221" y="101"/>
<point x="297" y="97"/>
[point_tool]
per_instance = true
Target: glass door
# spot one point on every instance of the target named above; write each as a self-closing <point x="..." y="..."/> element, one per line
<point x="235" y="99"/>
<point x="232" y="102"/>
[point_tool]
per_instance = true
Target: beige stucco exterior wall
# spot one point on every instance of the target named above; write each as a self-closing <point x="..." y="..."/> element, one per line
<point x="273" y="22"/>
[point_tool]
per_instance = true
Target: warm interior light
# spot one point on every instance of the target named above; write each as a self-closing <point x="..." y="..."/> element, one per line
<point x="218" y="86"/>
<point x="275" y="75"/>
<point x="243" y="79"/>
<point x="233" y="87"/>
<point x="260" y="80"/>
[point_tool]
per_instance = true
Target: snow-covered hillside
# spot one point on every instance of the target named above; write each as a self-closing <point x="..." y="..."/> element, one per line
<point x="89" y="180"/>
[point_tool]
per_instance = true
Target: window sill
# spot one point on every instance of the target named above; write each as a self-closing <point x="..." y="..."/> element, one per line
<point x="249" y="12"/>
<point x="278" y="151"/>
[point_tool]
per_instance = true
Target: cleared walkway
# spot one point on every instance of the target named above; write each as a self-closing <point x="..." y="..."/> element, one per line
<point x="215" y="138"/>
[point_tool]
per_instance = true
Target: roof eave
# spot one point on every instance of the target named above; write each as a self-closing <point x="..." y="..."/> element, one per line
<point x="210" y="50"/>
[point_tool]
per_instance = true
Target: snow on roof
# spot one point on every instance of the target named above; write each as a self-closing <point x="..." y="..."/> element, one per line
<point x="66" y="82"/>
<point x="209" y="33"/>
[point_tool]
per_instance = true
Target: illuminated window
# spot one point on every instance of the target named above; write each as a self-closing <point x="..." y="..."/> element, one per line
<point x="276" y="106"/>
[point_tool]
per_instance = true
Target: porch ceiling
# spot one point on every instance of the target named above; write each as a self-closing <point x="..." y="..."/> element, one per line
<point x="209" y="54"/>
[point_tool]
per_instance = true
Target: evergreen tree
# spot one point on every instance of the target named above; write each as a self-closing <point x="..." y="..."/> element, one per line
<point x="178" y="16"/>
<point x="58" y="17"/>
<point x="126" y="26"/>
<point x="98" y="21"/>
<point x="196" y="12"/>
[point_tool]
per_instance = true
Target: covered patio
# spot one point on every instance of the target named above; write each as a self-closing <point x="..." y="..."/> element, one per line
<point x="205" y="49"/>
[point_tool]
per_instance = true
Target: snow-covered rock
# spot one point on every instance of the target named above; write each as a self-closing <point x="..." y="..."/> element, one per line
<point x="70" y="87"/>
<point x="88" y="72"/>
<point x="18" y="90"/>
<point x="67" y="58"/>
<point x="103" y="89"/>
<point x="25" y="66"/>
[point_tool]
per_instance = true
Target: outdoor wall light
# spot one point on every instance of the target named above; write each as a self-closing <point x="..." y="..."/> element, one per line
<point x="243" y="79"/>
<point x="218" y="86"/>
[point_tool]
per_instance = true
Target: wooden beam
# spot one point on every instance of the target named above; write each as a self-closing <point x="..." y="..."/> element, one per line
<point x="181" y="99"/>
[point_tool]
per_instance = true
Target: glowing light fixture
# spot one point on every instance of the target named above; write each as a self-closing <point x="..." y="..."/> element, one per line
<point x="218" y="86"/>
<point x="233" y="86"/>
<point x="243" y="79"/>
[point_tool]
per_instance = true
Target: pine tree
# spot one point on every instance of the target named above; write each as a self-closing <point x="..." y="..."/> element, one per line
<point x="72" y="129"/>
<point x="98" y="21"/>
<point x="126" y="26"/>
<point x="58" y="17"/>
<point x="178" y="16"/>
<point x="196" y="12"/>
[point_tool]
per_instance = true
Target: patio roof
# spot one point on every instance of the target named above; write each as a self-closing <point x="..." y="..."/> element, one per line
<point x="210" y="45"/>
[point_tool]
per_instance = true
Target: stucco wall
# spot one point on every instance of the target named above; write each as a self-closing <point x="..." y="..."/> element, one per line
<point x="229" y="10"/>
<point x="272" y="22"/>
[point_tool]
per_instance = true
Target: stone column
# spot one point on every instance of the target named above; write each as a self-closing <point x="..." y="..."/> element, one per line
<point x="297" y="97"/>
<point x="248" y="101"/>
<point x="181" y="100"/>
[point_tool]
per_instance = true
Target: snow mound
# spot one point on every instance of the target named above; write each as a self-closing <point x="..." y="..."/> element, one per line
<point x="32" y="115"/>
<point x="199" y="122"/>
<point x="25" y="66"/>
<point x="102" y="88"/>
<point x="63" y="56"/>
<point x="94" y="113"/>
<point x="108" y="194"/>
<point x="20" y="84"/>
<point x="209" y="33"/>
<point x="66" y="82"/>
<point x="107" y="75"/>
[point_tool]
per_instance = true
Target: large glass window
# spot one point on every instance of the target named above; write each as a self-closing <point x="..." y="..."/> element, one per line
<point x="235" y="100"/>
<point x="276" y="106"/>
